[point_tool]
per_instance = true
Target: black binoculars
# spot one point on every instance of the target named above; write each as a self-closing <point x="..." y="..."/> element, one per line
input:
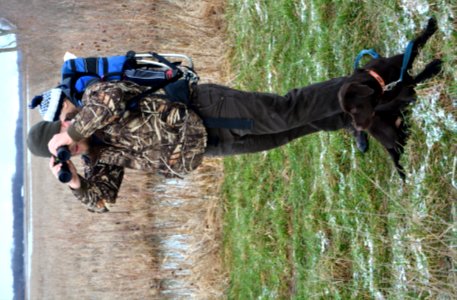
<point x="63" y="155"/>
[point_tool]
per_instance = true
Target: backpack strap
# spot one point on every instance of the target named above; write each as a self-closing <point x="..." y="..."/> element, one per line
<point x="132" y="104"/>
<point x="163" y="60"/>
<point x="228" y="123"/>
<point x="176" y="72"/>
<point x="86" y="65"/>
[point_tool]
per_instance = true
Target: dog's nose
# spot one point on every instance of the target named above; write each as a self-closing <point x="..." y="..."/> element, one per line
<point x="359" y="128"/>
<point x="362" y="125"/>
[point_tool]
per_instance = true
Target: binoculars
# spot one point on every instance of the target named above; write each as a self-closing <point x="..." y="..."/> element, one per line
<point x="63" y="155"/>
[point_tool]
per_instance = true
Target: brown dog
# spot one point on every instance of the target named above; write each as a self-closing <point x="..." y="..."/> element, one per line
<point x="380" y="110"/>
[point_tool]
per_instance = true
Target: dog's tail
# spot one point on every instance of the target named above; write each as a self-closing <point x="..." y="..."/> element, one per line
<point x="420" y="41"/>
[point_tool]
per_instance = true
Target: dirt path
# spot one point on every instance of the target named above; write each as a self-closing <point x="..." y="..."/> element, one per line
<point x="162" y="238"/>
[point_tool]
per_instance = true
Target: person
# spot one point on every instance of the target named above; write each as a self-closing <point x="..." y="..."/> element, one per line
<point x="168" y="138"/>
<point x="55" y="104"/>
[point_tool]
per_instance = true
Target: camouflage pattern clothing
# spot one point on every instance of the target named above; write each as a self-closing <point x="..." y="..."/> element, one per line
<point x="160" y="136"/>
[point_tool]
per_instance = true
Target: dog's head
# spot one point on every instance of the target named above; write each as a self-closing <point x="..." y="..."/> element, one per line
<point x="359" y="101"/>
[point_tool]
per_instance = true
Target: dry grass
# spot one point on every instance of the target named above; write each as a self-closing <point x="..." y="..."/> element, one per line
<point x="185" y="223"/>
<point x="122" y="255"/>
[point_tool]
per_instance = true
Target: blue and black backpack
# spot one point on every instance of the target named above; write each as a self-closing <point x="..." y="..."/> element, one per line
<point x="147" y="69"/>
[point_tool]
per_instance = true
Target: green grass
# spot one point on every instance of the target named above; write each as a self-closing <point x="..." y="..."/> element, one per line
<point x="315" y="218"/>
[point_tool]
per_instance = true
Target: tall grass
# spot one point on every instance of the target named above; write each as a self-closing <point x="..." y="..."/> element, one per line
<point x="316" y="218"/>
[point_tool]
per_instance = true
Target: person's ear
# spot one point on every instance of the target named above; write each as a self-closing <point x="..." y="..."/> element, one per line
<point x="65" y="103"/>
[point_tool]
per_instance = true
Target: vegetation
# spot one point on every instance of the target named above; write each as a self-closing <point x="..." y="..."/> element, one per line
<point x="161" y="239"/>
<point x="316" y="218"/>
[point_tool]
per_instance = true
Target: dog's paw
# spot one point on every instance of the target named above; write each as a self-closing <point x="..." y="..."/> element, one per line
<point x="432" y="69"/>
<point x="432" y="25"/>
<point x="436" y="66"/>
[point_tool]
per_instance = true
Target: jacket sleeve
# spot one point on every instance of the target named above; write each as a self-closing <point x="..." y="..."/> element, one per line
<point x="99" y="186"/>
<point x="103" y="104"/>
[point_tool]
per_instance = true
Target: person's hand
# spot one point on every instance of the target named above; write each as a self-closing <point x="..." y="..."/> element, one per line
<point x="74" y="183"/>
<point x="59" y="139"/>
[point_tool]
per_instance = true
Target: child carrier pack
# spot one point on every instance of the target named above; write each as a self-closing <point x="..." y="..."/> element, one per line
<point x="168" y="71"/>
<point x="173" y="73"/>
<point x="146" y="69"/>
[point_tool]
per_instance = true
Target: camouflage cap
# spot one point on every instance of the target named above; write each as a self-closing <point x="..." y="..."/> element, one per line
<point x="39" y="136"/>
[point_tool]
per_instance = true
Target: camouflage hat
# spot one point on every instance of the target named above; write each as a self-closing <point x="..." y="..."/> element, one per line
<point x="39" y="136"/>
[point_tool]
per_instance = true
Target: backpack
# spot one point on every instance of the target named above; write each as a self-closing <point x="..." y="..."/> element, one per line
<point x="146" y="69"/>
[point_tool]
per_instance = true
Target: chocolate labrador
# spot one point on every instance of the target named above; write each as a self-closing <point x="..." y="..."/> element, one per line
<point x="377" y="96"/>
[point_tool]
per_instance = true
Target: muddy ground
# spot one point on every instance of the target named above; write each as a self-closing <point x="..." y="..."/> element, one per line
<point x="162" y="238"/>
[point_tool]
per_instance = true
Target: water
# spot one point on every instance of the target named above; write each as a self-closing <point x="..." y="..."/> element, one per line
<point x="11" y="164"/>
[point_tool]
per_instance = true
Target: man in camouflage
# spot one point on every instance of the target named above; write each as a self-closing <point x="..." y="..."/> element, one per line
<point x="169" y="138"/>
<point x="160" y="136"/>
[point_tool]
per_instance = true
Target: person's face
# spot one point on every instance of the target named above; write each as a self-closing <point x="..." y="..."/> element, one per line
<point x="69" y="110"/>
<point x="76" y="148"/>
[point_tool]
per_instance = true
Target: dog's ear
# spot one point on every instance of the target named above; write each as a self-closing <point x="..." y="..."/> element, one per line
<point x="352" y="90"/>
<point x="384" y="132"/>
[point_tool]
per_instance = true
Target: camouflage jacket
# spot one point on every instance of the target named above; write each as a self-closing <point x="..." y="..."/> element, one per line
<point x="160" y="136"/>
